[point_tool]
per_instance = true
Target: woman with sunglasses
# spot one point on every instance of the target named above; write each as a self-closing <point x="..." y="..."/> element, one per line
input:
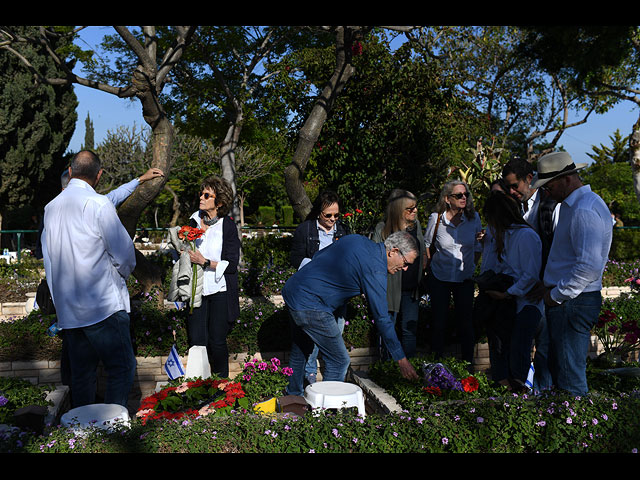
<point x="217" y="252"/>
<point x="321" y="228"/>
<point x="403" y="295"/>
<point x="453" y="231"/>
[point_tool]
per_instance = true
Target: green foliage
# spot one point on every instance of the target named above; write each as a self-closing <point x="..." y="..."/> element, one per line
<point x="625" y="244"/>
<point x="267" y="215"/>
<point x="261" y="327"/>
<point x="613" y="181"/>
<point x="25" y="338"/>
<point x="36" y="124"/>
<point x="16" y="393"/>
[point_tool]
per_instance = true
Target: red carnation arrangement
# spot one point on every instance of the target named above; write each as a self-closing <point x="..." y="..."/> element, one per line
<point x="186" y="400"/>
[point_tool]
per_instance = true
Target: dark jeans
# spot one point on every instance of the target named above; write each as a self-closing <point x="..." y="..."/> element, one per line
<point x="523" y="335"/>
<point x="440" y="294"/>
<point x="569" y="337"/>
<point x="208" y="326"/>
<point x="108" y="341"/>
<point x="497" y="317"/>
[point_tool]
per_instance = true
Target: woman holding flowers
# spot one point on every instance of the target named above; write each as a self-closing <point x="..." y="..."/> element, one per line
<point x="217" y="252"/>
<point x="403" y="293"/>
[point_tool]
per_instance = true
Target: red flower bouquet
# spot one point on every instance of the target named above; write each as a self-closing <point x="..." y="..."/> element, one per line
<point x="192" y="399"/>
<point x="190" y="235"/>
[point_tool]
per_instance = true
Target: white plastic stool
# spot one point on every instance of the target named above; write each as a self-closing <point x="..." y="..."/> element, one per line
<point x="334" y="395"/>
<point x="97" y="415"/>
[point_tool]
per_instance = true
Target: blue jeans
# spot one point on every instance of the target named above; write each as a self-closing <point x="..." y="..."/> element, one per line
<point x="523" y="334"/>
<point x="440" y="294"/>
<point x="409" y="312"/>
<point x="311" y="368"/>
<point x="309" y="327"/>
<point x="569" y="337"/>
<point x="108" y="341"/>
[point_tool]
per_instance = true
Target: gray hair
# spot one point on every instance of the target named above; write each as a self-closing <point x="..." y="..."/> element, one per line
<point x="403" y="241"/>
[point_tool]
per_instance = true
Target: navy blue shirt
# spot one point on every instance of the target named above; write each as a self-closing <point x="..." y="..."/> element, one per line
<point x="352" y="266"/>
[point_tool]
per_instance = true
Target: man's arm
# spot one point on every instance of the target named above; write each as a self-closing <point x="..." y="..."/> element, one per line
<point x="123" y="192"/>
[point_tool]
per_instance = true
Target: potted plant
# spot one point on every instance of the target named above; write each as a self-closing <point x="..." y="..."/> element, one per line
<point x="263" y="382"/>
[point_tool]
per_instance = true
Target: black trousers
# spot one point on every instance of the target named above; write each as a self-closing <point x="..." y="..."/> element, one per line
<point x="208" y="326"/>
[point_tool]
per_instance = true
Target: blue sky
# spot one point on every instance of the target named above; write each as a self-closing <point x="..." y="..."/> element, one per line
<point x="108" y="112"/>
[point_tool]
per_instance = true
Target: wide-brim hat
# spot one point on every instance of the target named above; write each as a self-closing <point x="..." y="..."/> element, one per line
<point x="553" y="165"/>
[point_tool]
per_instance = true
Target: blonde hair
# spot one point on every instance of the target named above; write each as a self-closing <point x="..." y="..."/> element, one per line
<point x="447" y="190"/>
<point x="394" y="220"/>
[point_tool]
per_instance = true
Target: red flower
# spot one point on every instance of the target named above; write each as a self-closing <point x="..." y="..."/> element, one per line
<point x="469" y="384"/>
<point x="348" y="214"/>
<point x="190" y="233"/>
<point x="433" y="391"/>
<point x="358" y="210"/>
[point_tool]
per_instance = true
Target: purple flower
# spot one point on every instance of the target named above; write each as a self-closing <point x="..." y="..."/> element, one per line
<point x="3" y="401"/>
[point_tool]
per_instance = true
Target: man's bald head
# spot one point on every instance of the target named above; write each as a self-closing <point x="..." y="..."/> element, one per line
<point x="85" y="166"/>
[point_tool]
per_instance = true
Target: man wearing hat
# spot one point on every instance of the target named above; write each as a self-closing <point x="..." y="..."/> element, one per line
<point x="573" y="275"/>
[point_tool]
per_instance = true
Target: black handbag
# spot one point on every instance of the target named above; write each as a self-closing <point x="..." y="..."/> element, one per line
<point x="43" y="298"/>
<point x="490" y="280"/>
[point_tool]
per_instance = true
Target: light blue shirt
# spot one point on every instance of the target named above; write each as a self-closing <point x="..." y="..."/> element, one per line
<point x="522" y="260"/>
<point x="580" y="247"/>
<point x="456" y="246"/>
<point x="123" y="192"/>
<point x="87" y="255"/>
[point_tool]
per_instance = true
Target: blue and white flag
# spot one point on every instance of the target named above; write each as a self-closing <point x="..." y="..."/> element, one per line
<point x="529" y="382"/>
<point x="173" y="365"/>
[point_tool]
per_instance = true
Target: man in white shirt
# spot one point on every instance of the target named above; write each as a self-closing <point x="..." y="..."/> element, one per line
<point x="573" y="275"/>
<point x="88" y="256"/>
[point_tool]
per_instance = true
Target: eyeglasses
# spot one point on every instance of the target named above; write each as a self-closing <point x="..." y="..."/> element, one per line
<point x="330" y="215"/>
<point x="404" y="259"/>
<point x="207" y="195"/>
<point x="411" y="209"/>
<point x="460" y="195"/>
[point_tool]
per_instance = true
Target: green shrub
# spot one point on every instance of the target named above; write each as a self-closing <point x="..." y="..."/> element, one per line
<point x="267" y="215"/>
<point x="16" y="393"/>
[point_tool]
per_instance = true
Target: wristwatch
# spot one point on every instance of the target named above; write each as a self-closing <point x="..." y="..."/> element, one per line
<point x="206" y="264"/>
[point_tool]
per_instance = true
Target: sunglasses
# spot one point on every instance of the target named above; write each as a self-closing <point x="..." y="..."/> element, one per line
<point x="411" y="209"/>
<point x="330" y="215"/>
<point x="207" y="195"/>
<point x="460" y="195"/>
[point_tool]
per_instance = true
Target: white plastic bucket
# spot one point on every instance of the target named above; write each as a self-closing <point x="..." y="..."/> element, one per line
<point x="104" y="416"/>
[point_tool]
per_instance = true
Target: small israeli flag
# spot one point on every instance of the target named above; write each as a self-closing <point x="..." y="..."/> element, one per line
<point x="529" y="382"/>
<point x="173" y="365"/>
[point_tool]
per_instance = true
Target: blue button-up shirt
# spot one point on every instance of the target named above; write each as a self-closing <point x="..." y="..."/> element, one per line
<point x="355" y="265"/>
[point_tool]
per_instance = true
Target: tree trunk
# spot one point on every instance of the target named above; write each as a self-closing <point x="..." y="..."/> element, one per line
<point x="634" y="157"/>
<point x="308" y="136"/>
<point x="146" y="272"/>
<point x="228" y="159"/>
